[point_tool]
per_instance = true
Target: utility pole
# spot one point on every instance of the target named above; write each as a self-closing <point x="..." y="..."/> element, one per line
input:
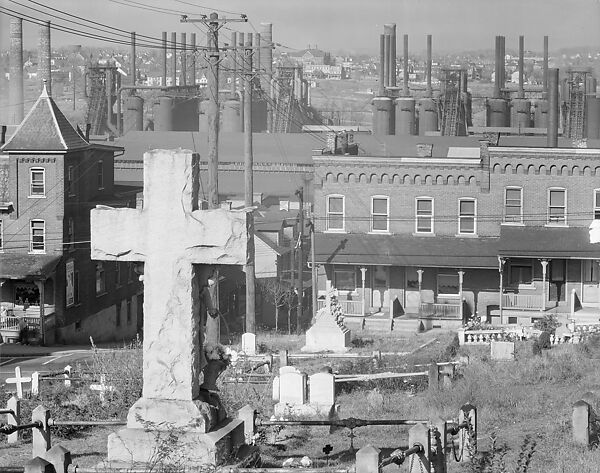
<point x="300" y="253"/>
<point x="313" y="269"/>
<point x="249" y="188"/>
<point x="214" y="23"/>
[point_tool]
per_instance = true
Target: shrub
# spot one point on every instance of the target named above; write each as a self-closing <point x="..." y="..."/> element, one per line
<point x="549" y="323"/>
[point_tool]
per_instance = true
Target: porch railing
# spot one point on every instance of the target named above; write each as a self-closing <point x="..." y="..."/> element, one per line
<point x="352" y="308"/>
<point x="433" y="309"/>
<point x="522" y="301"/>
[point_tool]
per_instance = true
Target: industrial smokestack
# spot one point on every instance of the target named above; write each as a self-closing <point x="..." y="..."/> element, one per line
<point x="386" y="69"/>
<point x="545" y="64"/>
<point x="502" y="62"/>
<point x="164" y="58"/>
<point x="234" y="62"/>
<point x="173" y="59"/>
<point x="405" y="77"/>
<point x="45" y="58"/>
<point x="266" y="57"/>
<point x="521" y="66"/>
<point x="16" y="71"/>
<point x="390" y="30"/>
<point x="183" y="74"/>
<point x="381" y="65"/>
<point x="553" y="108"/>
<point x="193" y="59"/>
<point x="428" y="66"/>
<point x="133" y="71"/>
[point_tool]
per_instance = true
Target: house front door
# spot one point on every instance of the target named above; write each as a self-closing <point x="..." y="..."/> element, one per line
<point x="557" y="280"/>
<point x="590" y="279"/>
<point x="412" y="297"/>
<point x="380" y="294"/>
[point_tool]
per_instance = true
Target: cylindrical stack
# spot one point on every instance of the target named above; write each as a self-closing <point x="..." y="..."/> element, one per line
<point x="16" y="98"/>
<point x="164" y="59"/>
<point x="405" y="90"/>
<point x="133" y="70"/>
<point x="502" y="62"/>
<point x="382" y="116"/>
<point x="428" y="116"/>
<point x="390" y="30"/>
<point x="405" y="116"/>
<point x="386" y="63"/>
<point x="173" y="59"/>
<point x="521" y="67"/>
<point x="545" y="65"/>
<point x="382" y="61"/>
<point x="134" y="114"/>
<point x="163" y="114"/>
<point x="553" y="108"/>
<point x="428" y="69"/>
<point x="183" y="73"/>
<point x="540" y="117"/>
<point x="497" y="73"/>
<point x="520" y="114"/>
<point x="266" y="64"/>
<point x="193" y="59"/>
<point x="45" y="57"/>
<point x="497" y="113"/>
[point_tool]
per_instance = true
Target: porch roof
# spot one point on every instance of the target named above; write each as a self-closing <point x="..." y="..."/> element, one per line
<point x="547" y="242"/>
<point x="19" y="266"/>
<point x="404" y="250"/>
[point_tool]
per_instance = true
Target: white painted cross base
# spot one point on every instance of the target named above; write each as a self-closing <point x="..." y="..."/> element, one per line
<point x="177" y="243"/>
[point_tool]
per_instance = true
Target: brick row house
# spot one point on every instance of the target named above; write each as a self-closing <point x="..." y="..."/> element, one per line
<point x="51" y="178"/>
<point x="447" y="232"/>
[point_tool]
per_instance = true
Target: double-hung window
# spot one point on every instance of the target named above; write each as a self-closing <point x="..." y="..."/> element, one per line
<point x="380" y="214"/>
<point x="335" y="213"/>
<point x="557" y="206"/>
<point x="37" y="236"/>
<point x="467" y="216"/>
<point x="424" y="215"/>
<point x="513" y="205"/>
<point x="37" y="182"/>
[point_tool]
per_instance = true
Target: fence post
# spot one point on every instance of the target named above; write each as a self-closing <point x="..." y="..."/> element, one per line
<point x="40" y="436"/>
<point x="67" y="375"/>
<point x="468" y="437"/>
<point x="419" y="463"/>
<point x="35" y="383"/>
<point x="368" y="459"/>
<point x="581" y="422"/>
<point x="59" y="457"/>
<point x="434" y="377"/>
<point x="269" y="359"/>
<point x="14" y="418"/>
<point x="38" y="465"/>
<point x="439" y="461"/>
<point x="283" y="358"/>
<point x="248" y="415"/>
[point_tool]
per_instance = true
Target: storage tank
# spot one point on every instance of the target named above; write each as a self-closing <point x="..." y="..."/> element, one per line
<point x="520" y="113"/>
<point x="134" y="114"/>
<point x="405" y="116"/>
<point x="203" y="116"/>
<point x="497" y="112"/>
<point x="540" y="115"/>
<point x="259" y="115"/>
<point x="185" y="114"/>
<point x="383" y="110"/>
<point x="232" y="119"/>
<point x="163" y="114"/>
<point x="593" y="117"/>
<point x="428" y="116"/>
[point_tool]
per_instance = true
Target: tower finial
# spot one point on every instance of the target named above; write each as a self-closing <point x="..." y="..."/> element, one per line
<point x="44" y="91"/>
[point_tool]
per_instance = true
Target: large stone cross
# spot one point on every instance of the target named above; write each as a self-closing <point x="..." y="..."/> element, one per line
<point x="173" y="238"/>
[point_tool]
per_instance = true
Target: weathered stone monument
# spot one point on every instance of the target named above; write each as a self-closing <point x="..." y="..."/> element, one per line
<point x="502" y="351"/>
<point x="328" y="332"/>
<point x="177" y="243"/>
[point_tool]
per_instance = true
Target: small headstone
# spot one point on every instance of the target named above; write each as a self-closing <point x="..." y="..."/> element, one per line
<point x="292" y="386"/>
<point x="249" y="343"/>
<point x="502" y="351"/>
<point x="322" y="389"/>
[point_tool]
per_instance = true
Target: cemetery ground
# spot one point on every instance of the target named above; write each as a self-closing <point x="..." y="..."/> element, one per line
<point x="521" y="404"/>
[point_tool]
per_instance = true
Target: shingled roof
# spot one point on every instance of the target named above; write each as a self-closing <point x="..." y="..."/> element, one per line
<point x="45" y="128"/>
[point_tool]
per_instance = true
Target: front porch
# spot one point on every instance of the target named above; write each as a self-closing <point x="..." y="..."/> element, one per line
<point x="14" y="318"/>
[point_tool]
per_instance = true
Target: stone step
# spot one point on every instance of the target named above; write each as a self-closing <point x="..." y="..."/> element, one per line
<point x="378" y="324"/>
<point x="406" y="325"/>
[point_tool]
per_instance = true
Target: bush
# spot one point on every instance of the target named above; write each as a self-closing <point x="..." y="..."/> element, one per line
<point x="549" y="323"/>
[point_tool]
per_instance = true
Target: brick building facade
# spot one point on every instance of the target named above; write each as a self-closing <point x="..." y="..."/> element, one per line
<point x="53" y="178"/>
<point x="445" y="235"/>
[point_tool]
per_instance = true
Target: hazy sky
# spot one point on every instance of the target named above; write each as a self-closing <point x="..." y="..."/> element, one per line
<point x="353" y="25"/>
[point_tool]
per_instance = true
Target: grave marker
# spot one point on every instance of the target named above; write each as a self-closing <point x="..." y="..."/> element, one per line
<point x="502" y="351"/>
<point x="18" y="380"/>
<point x="177" y="243"/>
<point x="328" y="332"/>
<point x="249" y="343"/>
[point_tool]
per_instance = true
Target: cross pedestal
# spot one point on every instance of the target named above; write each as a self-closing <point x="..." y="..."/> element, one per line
<point x="178" y="243"/>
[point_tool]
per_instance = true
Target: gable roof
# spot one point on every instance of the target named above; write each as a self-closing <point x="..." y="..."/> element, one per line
<point x="45" y="128"/>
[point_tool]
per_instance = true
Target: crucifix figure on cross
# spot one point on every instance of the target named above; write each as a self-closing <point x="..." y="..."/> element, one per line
<point x="180" y="244"/>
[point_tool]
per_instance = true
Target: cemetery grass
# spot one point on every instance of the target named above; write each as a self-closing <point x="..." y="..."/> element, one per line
<point x="526" y="400"/>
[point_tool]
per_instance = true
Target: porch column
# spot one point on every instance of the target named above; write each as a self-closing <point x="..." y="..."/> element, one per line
<point x="501" y="262"/>
<point x="40" y="285"/>
<point x="544" y="270"/>
<point x="461" y="274"/>
<point x="363" y="272"/>
<point x="328" y="293"/>
<point x="420" y="279"/>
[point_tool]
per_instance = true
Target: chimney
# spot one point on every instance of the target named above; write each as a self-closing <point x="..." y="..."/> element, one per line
<point x="521" y="67"/>
<point x="45" y="58"/>
<point x="173" y="59"/>
<point x="553" y="108"/>
<point x="390" y="30"/>
<point x="428" y="66"/>
<point x="193" y="59"/>
<point x="88" y="128"/>
<point x="183" y="75"/>
<point x="386" y="69"/>
<point x="545" y="64"/>
<point x="497" y="73"/>
<point x="164" y="58"/>
<point x="133" y="70"/>
<point x="3" y="138"/>
<point x="381" y="65"/>
<point x="266" y="57"/>
<point x="16" y="71"/>
<point x="406" y="91"/>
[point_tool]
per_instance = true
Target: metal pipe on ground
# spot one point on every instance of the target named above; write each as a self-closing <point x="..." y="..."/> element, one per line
<point x="16" y="71"/>
<point x="553" y="108"/>
<point x="405" y="90"/>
